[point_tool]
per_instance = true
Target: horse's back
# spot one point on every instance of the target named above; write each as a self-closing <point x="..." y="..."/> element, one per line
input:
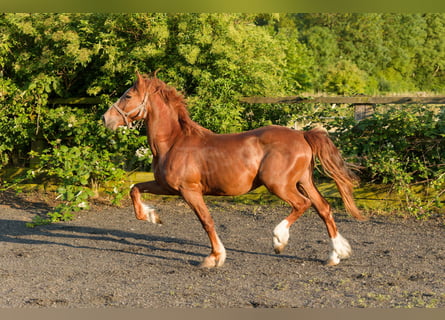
<point x="264" y="135"/>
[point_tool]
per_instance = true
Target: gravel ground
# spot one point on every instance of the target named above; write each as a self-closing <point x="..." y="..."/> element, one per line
<point x="107" y="258"/>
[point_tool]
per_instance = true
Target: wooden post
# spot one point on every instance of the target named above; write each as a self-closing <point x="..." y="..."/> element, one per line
<point x="363" y="111"/>
<point x="37" y="144"/>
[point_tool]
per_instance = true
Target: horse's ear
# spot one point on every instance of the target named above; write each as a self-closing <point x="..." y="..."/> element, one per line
<point x="140" y="80"/>
<point x="154" y="73"/>
<point x="139" y="76"/>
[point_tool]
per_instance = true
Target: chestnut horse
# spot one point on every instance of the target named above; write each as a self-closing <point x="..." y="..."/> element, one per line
<point x="191" y="161"/>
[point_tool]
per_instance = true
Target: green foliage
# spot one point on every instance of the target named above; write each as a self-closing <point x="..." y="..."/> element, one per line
<point x="83" y="156"/>
<point x="403" y="147"/>
<point x="345" y="78"/>
<point x="219" y="57"/>
<point x="398" y="52"/>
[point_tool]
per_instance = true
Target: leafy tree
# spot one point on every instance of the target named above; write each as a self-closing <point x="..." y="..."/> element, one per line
<point x="399" y="52"/>
<point x="430" y="58"/>
<point x="345" y="78"/>
<point x="224" y="56"/>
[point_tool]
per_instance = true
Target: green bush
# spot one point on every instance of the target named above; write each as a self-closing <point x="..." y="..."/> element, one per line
<point x="403" y="147"/>
<point x="82" y="156"/>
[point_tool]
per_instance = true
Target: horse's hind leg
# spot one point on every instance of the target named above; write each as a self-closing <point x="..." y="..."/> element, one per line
<point x="299" y="204"/>
<point x="340" y="247"/>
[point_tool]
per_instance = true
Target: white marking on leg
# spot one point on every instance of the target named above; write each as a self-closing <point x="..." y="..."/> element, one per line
<point x="215" y="260"/>
<point x="281" y="236"/>
<point x="340" y="249"/>
<point x="150" y="214"/>
<point x="222" y="253"/>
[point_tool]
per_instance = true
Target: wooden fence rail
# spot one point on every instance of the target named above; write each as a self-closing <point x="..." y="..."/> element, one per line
<point x="349" y="100"/>
<point x="296" y="99"/>
<point x="363" y="105"/>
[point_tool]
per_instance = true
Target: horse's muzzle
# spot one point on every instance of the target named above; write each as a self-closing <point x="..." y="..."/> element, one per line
<point x="108" y="122"/>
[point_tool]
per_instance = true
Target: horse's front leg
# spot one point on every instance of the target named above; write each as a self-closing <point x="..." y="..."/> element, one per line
<point x="141" y="210"/>
<point x="196" y="201"/>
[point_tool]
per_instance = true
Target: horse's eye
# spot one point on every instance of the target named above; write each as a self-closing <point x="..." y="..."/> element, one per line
<point x="127" y="96"/>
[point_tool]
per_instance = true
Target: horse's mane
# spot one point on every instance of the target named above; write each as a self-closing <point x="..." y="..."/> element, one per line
<point x="178" y="103"/>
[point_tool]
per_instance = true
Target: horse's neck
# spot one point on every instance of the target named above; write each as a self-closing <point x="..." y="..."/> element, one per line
<point x="162" y="130"/>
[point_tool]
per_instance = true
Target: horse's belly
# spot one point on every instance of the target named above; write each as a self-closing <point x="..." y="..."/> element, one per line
<point x="230" y="185"/>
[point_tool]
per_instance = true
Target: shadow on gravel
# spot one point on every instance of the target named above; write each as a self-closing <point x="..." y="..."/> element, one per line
<point x="15" y="231"/>
<point x="100" y="239"/>
<point x="16" y="201"/>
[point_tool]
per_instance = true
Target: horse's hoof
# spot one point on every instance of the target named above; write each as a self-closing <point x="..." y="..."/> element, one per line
<point x="340" y="248"/>
<point x="212" y="261"/>
<point x="208" y="263"/>
<point x="332" y="262"/>
<point x="281" y="236"/>
<point x="279" y="248"/>
<point x="153" y="217"/>
<point x="156" y="219"/>
<point x="150" y="215"/>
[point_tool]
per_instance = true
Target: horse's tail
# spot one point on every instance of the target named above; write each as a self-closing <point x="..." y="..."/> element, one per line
<point x="334" y="166"/>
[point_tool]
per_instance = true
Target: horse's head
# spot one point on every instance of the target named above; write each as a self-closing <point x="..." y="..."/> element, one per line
<point x="131" y="106"/>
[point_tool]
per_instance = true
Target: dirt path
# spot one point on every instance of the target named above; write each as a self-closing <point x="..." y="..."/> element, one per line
<point x="106" y="258"/>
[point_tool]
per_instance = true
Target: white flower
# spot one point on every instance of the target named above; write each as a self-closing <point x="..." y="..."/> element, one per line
<point x="83" y="204"/>
<point x="141" y="152"/>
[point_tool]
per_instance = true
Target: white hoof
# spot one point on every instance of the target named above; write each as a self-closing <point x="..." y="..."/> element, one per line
<point x="340" y="250"/>
<point x="151" y="215"/>
<point x="281" y="236"/>
<point x="213" y="261"/>
<point x="217" y="258"/>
